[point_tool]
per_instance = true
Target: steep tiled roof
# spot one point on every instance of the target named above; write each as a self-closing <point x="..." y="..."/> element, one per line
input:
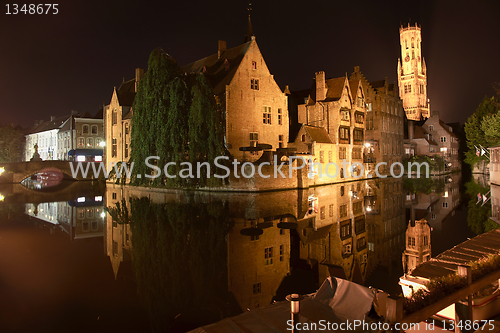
<point x="353" y="84"/>
<point x="317" y="134"/>
<point x="50" y="125"/>
<point x="219" y="71"/>
<point x="335" y="87"/>
<point x="126" y="93"/>
<point x="421" y="133"/>
<point x="446" y="128"/>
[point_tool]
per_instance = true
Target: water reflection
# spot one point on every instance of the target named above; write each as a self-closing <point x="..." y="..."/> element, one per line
<point x="222" y="253"/>
<point x="80" y="218"/>
<point x="198" y="257"/>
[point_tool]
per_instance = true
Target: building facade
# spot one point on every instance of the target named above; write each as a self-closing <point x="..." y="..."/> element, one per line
<point x="412" y="73"/>
<point x="118" y="120"/>
<point x="256" y="110"/>
<point x="384" y="124"/>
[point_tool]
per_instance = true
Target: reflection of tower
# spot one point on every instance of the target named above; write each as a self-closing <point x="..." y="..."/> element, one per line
<point x="412" y="74"/>
<point x="418" y="245"/>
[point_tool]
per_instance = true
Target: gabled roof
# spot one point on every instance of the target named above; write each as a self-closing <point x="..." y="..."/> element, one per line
<point x="335" y="87"/>
<point x="354" y="84"/>
<point x="49" y="125"/>
<point x="446" y="128"/>
<point x="126" y="93"/>
<point x="317" y="134"/>
<point x="420" y="133"/>
<point x="219" y="71"/>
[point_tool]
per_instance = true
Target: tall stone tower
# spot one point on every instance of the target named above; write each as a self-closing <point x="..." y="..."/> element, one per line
<point x="412" y="74"/>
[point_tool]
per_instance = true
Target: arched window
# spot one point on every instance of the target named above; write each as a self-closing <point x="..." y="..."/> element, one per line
<point x="303" y="138"/>
<point x="85" y="129"/>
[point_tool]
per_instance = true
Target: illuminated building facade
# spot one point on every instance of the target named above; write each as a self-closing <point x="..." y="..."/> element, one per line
<point x="412" y="74"/>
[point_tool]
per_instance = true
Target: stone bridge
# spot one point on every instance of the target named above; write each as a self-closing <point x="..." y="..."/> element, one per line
<point x="17" y="172"/>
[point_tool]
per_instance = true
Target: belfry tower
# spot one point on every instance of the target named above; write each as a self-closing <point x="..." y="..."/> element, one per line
<point x="412" y="74"/>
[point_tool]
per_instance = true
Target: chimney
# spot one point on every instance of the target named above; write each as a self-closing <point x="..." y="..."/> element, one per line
<point x="221" y="48"/>
<point x="139" y="74"/>
<point x="435" y="114"/>
<point x="52" y="118"/>
<point x="411" y="130"/>
<point x="36" y="123"/>
<point x="320" y="86"/>
<point x="356" y="69"/>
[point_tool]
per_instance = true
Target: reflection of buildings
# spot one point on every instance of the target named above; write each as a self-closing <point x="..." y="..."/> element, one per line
<point x="436" y="206"/>
<point x="332" y="233"/>
<point x="418" y="245"/>
<point x="258" y="252"/>
<point x="257" y="263"/>
<point x="385" y="220"/>
<point x="80" y="218"/>
<point x="118" y="244"/>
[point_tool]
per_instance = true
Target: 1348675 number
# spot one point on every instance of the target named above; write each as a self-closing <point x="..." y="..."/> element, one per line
<point x="48" y="8"/>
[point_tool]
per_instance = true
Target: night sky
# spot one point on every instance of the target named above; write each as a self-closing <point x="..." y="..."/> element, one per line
<point x="52" y="64"/>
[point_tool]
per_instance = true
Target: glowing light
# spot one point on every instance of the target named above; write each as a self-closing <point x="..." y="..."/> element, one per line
<point x="103" y="214"/>
<point x="368" y="209"/>
<point x="80" y="158"/>
<point x="98" y="198"/>
<point x="102" y="144"/>
<point x="2" y="169"/>
<point x="80" y="199"/>
<point x="446" y="194"/>
<point x="1" y="197"/>
<point x="98" y="158"/>
<point x="367" y="145"/>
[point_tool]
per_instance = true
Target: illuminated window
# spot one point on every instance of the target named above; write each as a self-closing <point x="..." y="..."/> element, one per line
<point x="345" y="229"/>
<point x="266" y="115"/>
<point x="254" y="139"/>
<point x="81" y="142"/>
<point x="344" y="134"/>
<point x="90" y="142"/>
<point x="330" y="210"/>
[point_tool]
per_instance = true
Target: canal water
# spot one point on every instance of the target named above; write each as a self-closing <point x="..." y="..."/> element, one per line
<point x="90" y="257"/>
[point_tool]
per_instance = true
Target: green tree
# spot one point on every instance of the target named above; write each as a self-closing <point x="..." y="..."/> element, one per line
<point x="176" y="118"/>
<point x="474" y="133"/>
<point x="206" y="133"/>
<point x="11" y="144"/>
<point x="490" y="125"/>
<point x="151" y="107"/>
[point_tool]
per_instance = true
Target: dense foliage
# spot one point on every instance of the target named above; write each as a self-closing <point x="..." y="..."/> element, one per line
<point x="11" y="144"/>
<point x="176" y="118"/>
<point x="477" y="125"/>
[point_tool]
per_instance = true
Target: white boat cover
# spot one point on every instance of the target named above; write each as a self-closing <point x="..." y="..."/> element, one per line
<point x="336" y="301"/>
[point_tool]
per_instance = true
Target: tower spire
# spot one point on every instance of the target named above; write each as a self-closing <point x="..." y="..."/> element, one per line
<point x="249" y="34"/>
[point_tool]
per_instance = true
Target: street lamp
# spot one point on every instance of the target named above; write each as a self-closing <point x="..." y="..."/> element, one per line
<point x="2" y="169"/>
<point x="294" y="300"/>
